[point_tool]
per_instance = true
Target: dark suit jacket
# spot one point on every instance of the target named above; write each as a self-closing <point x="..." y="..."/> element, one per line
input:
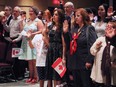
<point x="6" y="34"/>
<point x="1" y="32"/>
<point x="82" y="54"/>
<point x="113" y="41"/>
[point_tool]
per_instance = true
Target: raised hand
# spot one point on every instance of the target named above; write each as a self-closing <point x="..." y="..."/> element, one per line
<point x="110" y="11"/>
<point x="65" y="26"/>
<point x="98" y="45"/>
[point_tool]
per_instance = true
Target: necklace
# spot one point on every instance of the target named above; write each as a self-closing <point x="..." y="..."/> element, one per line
<point x="100" y="23"/>
<point x="79" y="30"/>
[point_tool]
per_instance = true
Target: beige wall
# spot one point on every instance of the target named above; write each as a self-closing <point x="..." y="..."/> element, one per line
<point x="81" y="3"/>
<point x="43" y="4"/>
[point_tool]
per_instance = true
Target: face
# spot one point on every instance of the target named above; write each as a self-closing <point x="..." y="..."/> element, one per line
<point x="78" y="18"/>
<point x="55" y="17"/>
<point x="68" y="8"/>
<point x="109" y="28"/>
<point x="7" y="11"/>
<point x="16" y="12"/>
<point x="101" y="11"/>
<point x="23" y="15"/>
<point x="46" y="16"/>
<point x="31" y="12"/>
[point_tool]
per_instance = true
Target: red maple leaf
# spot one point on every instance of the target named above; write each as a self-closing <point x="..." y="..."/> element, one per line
<point x="60" y="67"/>
<point x="17" y="51"/>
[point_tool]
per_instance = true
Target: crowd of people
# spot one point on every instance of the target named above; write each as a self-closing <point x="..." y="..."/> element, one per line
<point x="85" y="39"/>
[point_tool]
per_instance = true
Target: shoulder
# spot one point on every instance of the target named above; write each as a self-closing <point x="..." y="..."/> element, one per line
<point x="101" y="38"/>
<point x="91" y="27"/>
<point x="39" y="22"/>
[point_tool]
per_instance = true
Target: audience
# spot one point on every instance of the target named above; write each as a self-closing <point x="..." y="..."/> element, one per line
<point x="65" y="32"/>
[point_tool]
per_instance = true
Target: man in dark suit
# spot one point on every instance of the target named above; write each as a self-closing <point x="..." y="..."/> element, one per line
<point x="8" y="14"/>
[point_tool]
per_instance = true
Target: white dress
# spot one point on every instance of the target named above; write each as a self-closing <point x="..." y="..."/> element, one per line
<point x="28" y="53"/>
<point x="100" y="29"/>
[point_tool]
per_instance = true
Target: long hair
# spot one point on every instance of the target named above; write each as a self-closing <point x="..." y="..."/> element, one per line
<point x="106" y="9"/>
<point x="61" y="18"/>
<point x="47" y="12"/>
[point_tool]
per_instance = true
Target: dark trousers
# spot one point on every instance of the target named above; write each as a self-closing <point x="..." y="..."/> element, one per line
<point x="101" y="85"/>
<point x="19" y="68"/>
<point x="82" y="78"/>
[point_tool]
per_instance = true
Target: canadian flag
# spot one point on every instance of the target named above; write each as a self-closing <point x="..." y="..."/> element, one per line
<point x="59" y="67"/>
<point x="16" y="52"/>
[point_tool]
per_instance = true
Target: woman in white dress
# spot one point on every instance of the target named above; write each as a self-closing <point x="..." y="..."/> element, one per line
<point x="101" y="23"/>
<point x="32" y="27"/>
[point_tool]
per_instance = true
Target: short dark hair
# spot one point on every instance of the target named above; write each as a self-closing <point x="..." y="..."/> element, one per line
<point x="9" y="7"/>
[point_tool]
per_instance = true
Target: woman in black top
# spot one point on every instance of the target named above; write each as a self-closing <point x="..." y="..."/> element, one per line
<point x="82" y="36"/>
<point x="56" y="46"/>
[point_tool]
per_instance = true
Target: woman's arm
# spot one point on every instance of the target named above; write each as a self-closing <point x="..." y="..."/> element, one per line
<point x="64" y="50"/>
<point x="95" y="47"/>
<point x="40" y="27"/>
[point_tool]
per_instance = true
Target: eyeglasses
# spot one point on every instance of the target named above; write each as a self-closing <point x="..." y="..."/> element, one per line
<point x="6" y="10"/>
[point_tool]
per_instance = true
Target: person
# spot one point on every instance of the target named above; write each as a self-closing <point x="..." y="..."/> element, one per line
<point x="101" y="23"/>
<point x="40" y="15"/>
<point x="104" y="67"/>
<point x="54" y="39"/>
<point x="69" y="9"/>
<point x="112" y="36"/>
<point x="23" y="18"/>
<point x="6" y="21"/>
<point x="69" y="13"/>
<point x="14" y="41"/>
<point x="47" y="17"/>
<point x="2" y="41"/>
<point x="92" y="14"/>
<point x="82" y="36"/>
<point x="32" y="27"/>
<point x="41" y="49"/>
<point x="2" y="16"/>
<point x="112" y="16"/>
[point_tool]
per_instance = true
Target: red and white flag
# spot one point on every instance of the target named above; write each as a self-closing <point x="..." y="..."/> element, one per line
<point x="59" y="67"/>
<point x="16" y="52"/>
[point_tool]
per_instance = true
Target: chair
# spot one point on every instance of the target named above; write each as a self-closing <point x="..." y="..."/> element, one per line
<point x="6" y="67"/>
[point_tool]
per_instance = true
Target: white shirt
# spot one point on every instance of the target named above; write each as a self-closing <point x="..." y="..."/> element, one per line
<point x="41" y="50"/>
<point x="100" y="28"/>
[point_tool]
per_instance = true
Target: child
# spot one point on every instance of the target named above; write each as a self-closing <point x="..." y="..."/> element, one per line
<point x="41" y="51"/>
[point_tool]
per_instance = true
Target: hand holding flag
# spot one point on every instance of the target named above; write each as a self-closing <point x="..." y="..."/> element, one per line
<point x="59" y="67"/>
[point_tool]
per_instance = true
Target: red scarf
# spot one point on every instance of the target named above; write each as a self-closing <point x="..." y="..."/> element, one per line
<point x="73" y="43"/>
